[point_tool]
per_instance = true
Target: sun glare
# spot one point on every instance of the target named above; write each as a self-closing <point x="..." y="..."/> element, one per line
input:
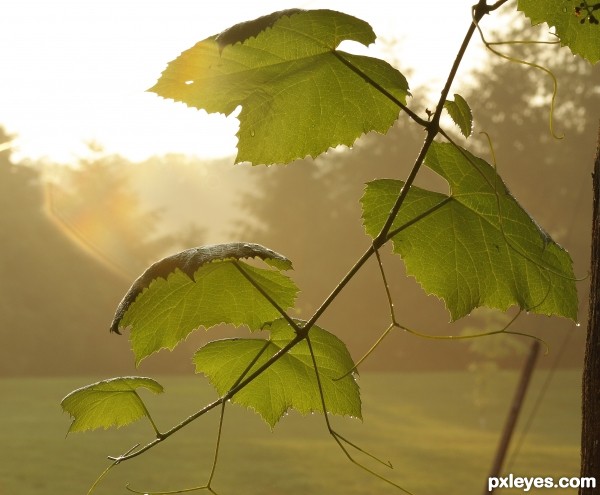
<point x="77" y="71"/>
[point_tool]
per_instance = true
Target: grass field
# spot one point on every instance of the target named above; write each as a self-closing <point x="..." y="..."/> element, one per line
<point x="426" y="424"/>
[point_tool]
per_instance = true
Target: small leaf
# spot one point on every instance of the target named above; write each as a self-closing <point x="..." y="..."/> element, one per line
<point x="202" y="286"/>
<point x="298" y="94"/>
<point x="461" y="114"/>
<point x="113" y="402"/>
<point x="477" y="247"/>
<point x="290" y="382"/>
<point x="577" y="23"/>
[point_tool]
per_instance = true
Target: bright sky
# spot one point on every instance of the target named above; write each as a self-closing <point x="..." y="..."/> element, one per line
<point x="76" y="70"/>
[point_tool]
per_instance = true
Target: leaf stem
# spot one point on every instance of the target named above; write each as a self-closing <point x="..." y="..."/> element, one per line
<point x="369" y="352"/>
<point x="158" y="433"/>
<point x="422" y="122"/>
<point x="267" y="296"/>
<point x="386" y="287"/>
<point x="217" y="446"/>
<point x="419" y="217"/>
<point x="496" y="5"/>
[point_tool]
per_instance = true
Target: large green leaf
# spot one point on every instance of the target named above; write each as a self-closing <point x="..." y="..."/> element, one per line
<point x="479" y="248"/>
<point x="576" y="23"/>
<point x="298" y="98"/>
<point x="291" y="381"/>
<point x="113" y="402"/>
<point x="202" y="287"/>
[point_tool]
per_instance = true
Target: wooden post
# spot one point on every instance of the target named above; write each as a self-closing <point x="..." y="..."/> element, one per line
<point x="513" y="414"/>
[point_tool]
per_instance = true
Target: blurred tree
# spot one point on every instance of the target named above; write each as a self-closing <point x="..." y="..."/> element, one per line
<point x="96" y="205"/>
<point x="54" y="301"/>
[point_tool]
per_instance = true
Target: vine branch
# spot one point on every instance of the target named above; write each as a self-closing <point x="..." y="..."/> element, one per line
<point x="432" y="126"/>
<point x="386" y="233"/>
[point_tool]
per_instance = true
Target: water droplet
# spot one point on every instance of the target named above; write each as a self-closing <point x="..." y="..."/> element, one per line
<point x="577" y="324"/>
<point x="189" y="82"/>
<point x="252" y="132"/>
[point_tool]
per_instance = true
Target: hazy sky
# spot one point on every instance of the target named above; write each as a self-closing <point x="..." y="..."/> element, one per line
<point x="76" y="70"/>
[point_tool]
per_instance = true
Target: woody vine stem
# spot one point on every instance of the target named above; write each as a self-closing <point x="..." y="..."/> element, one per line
<point x="302" y="329"/>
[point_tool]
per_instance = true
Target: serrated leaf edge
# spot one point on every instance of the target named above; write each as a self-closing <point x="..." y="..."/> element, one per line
<point x="190" y="260"/>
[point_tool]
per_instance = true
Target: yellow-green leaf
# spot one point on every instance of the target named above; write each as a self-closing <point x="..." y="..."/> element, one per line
<point x="299" y="94"/>
<point x="477" y="246"/>
<point x="203" y="287"/>
<point x="291" y="381"/>
<point x="113" y="402"/>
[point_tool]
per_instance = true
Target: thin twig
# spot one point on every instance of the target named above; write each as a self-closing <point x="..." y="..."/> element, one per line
<point x="339" y="438"/>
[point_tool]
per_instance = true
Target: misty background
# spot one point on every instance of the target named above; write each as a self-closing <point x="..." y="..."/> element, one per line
<point x="74" y="236"/>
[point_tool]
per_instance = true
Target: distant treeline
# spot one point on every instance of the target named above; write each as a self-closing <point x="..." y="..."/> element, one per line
<point x="73" y="239"/>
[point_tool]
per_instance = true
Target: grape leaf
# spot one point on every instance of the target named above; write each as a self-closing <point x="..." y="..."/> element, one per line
<point x="478" y="247"/>
<point x="576" y="23"/>
<point x="461" y="114"/>
<point x="298" y="96"/>
<point x="291" y="381"/>
<point x="113" y="402"/>
<point x="202" y="286"/>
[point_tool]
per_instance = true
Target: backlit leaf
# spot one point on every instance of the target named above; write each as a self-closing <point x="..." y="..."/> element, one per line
<point x="291" y="381"/>
<point x="298" y="96"/>
<point x="202" y="286"/>
<point x="461" y="114"/>
<point x="479" y="248"/>
<point x="113" y="402"/>
<point x="577" y="23"/>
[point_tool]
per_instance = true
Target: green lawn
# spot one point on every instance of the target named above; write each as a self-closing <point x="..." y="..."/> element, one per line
<point x="426" y="424"/>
